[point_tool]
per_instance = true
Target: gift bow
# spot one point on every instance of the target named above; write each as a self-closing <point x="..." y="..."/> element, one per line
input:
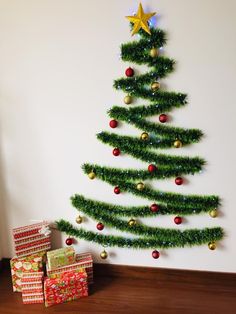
<point x="45" y="230"/>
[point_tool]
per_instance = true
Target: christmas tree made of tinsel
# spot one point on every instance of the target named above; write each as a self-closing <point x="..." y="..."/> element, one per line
<point x="160" y="166"/>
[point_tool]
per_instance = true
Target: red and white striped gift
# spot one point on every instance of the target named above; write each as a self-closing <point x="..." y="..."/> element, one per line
<point x="32" y="288"/>
<point x="32" y="239"/>
<point x="84" y="262"/>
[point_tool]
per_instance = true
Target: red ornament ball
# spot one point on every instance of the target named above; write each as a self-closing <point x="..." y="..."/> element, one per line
<point x="178" y="220"/>
<point x="100" y="226"/>
<point x="179" y="181"/>
<point x="163" y="118"/>
<point x="113" y="124"/>
<point x="155" y="254"/>
<point x="152" y="168"/>
<point x="116" y="152"/>
<point x="117" y="190"/>
<point x="154" y="208"/>
<point x="129" y="72"/>
<point x="69" y="241"/>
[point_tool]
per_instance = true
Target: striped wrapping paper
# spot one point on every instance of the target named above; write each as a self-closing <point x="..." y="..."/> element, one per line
<point x="32" y="288"/>
<point x="31" y="239"/>
<point x="84" y="262"/>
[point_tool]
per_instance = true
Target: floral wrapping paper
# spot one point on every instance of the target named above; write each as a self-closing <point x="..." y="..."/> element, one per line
<point x="32" y="288"/>
<point x="19" y="265"/>
<point x="84" y="262"/>
<point x="68" y="287"/>
<point x="60" y="257"/>
<point x="31" y="239"/>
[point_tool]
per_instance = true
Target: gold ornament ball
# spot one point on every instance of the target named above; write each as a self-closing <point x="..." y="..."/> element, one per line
<point x="144" y="136"/>
<point x="128" y="100"/>
<point x="154" y="52"/>
<point x="92" y="175"/>
<point x="213" y="213"/>
<point x="178" y="144"/>
<point x="79" y="220"/>
<point x="132" y="222"/>
<point x="212" y="245"/>
<point x="155" y="86"/>
<point x="103" y="255"/>
<point x="140" y="186"/>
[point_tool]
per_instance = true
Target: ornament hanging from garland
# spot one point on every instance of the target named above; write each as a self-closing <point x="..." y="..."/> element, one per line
<point x="129" y="72"/>
<point x="103" y="254"/>
<point x="113" y="124"/>
<point x="116" y="152"/>
<point x="144" y="136"/>
<point x="179" y="181"/>
<point x="154" y="208"/>
<point x="79" y="220"/>
<point x="128" y="100"/>
<point x="116" y="190"/>
<point x="213" y="213"/>
<point x="132" y="222"/>
<point x="69" y="241"/>
<point x="152" y="168"/>
<point x="178" y="144"/>
<point x="155" y="86"/>
<point x="92" y="175"/>
<point x="100" y="226"/>
<point x="140" y="186"/>
<point x="163" y="118"/>
<point x="154" y="52"/>
<point x="155" y="254"/>
<point x="178" y="220"/>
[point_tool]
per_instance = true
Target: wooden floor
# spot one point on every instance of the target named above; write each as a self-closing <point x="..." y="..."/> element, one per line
<point x="132" y="290"/>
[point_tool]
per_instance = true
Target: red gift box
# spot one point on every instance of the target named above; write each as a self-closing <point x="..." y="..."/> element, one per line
<point x="68" y="287"/>
<point x="32" y="239"/>
<point x="32" y="288"/>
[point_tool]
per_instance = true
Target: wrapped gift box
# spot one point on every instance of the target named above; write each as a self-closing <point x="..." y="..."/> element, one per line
<point x="60" y="257"/>
<point x="32" y="239"/>
<point x="32" y="288"/>
<point x="19" y="265"/>
<point x="67" y="287"/>
<point x="84" y="261"/>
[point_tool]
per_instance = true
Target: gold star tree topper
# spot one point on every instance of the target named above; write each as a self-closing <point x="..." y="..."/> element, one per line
<point x="140" y="20"/>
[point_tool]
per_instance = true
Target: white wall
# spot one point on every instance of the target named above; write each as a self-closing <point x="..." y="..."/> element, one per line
<point x="58" y="60"/>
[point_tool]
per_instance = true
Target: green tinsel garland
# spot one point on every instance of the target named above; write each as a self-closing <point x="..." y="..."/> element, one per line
<point x="86" y="205"/>
<point x="192" y="237"/>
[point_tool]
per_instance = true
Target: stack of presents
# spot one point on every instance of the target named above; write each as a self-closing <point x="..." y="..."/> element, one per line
<point x="44" y="276"/>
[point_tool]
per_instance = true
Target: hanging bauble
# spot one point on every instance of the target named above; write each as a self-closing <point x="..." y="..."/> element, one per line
<point x="113" y="124"/>
<point x="140" y="186"/>
<point x="178" y="220"/>
<point x="144" y="136"/>
<point x="163" y="118"/>
<point x="129" y="72"/>
<point x="132" y="222"/>
<point x="178" y="144"/>
<point x="128" y="100"/>
<point x="116" y="152"/>
<point x="103" y="255"/>
<point x="155" y="254"/>
<point x="92" y="175"/>
<point x="212" y="245"/>
<point x="100" y="226"/>
<point x="179" y="181"/>
<point x="154" y="52"/>
<point x="116" y="190"/>
<point x="79" y="219"/>
<point x="213" y="213"/>
<point x="155" y="86"/>
<point x="154" y="208"/>
<point x="69" y="241"/>
<point x="152" y="168"/>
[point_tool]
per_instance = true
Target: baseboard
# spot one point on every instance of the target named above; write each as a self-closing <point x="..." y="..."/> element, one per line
<point x="154" y="273"/>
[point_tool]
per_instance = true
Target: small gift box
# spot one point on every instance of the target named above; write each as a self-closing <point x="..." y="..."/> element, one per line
<point x="32" y="288"/>
<point x="19" y="265"/>
<point x="60" y="257"/>
<point x="68" y="287"/>
<point x="84" y="262"/>
<point x="32" y="239"/>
